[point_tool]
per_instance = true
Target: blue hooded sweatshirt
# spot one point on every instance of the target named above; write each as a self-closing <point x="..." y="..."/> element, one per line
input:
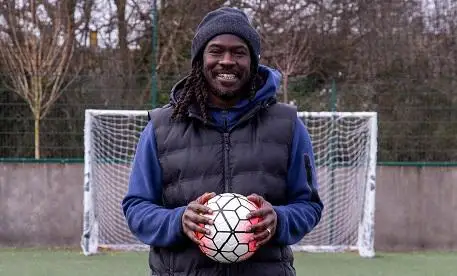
<point x="157" y="226"/>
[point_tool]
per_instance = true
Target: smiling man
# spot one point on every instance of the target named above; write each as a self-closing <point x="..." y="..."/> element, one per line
<point x="223" y="131"/>
<point x="227" y="67"/>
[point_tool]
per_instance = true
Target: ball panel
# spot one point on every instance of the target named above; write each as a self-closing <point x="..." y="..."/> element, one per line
<point x="241" y="249"/>
<point x="214" y="199"/>
<point x="208" y="251"/>
<point x="242" y="212"/>
<point x="230" y="256"/>
<point x="232" y="204"/>
<point x="231" y="218"/>
<point x="245" y="256"/>
<point x="220" y="238"/>
<point x="209" y="243"/>
<point x="213" y="206"/>
<point x="243" y="237"/>
<point x="230" y="244"/>
<point x="221" y="223"/>
<point x="242" y="225"/>
<point x="222" y="201"/>
<point x="248" y="204"/>
<point x="221" y="258"/>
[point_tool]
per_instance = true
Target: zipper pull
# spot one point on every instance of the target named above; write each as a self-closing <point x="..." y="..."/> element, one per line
<point x="224" y="116"/>
<point x="226" y="138"/>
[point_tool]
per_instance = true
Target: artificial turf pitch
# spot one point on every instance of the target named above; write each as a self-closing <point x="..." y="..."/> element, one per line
<point x="66" y="262"/>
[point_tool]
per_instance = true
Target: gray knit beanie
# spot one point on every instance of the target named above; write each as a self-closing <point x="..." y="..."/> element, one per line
<point x="226" y="21"/>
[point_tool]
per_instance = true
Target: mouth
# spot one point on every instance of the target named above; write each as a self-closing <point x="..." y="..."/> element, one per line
<point x="226" y="79"/>
<point x="226" y="76"/>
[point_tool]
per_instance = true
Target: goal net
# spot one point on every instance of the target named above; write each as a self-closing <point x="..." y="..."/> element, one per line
<point x="345" y="147"/>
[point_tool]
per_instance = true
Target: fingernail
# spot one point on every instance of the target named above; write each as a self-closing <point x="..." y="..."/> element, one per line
<point x="211" y="221"/>
<point x="208" y="232"/>
<point x="248" y="229"/>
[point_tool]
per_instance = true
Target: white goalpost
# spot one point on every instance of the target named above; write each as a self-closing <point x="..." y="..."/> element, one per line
<point x="345" y="148"/>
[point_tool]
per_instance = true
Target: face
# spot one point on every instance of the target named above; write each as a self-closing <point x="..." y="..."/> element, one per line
<point x="226" y="66"/>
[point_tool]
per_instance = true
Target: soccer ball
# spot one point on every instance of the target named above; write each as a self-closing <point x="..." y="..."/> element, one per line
<point x="229" y="242"/>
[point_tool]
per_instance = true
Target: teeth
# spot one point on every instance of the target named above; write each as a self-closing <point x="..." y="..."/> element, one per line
<point x="226" y="76"/>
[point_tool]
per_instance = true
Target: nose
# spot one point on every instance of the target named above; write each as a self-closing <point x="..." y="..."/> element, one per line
<point x="227" y="59"/>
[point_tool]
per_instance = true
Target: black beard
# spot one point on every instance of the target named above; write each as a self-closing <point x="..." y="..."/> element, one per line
<point x="227" y="96"/>
<point x="244" y="93"/>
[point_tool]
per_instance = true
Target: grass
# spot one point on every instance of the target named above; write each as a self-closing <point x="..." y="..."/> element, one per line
<point x="53" y="262"/>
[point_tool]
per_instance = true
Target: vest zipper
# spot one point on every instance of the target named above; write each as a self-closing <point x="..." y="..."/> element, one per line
<point x="226" y="144"/>
<point x="227" y="188"/>
<point x="226" y="138"/>
<point x="226" y="141"/>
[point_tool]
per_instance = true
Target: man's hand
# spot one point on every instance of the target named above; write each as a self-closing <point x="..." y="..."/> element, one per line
<point x="193" y="217"/>
<point x="266" y="227"/>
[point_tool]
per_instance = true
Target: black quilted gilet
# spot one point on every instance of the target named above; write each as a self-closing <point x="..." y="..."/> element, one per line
<point x="250" y="157"/>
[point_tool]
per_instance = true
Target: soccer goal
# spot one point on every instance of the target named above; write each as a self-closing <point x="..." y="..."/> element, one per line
<point x="345" y="146"/>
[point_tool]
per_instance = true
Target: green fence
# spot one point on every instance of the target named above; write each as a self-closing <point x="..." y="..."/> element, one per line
<point x="417" y="118"/>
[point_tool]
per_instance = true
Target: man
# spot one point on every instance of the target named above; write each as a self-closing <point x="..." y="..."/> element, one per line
<point x="223" y="132"/>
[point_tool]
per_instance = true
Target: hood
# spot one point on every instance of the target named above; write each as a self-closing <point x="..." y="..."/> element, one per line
<point x="271" y="81"/>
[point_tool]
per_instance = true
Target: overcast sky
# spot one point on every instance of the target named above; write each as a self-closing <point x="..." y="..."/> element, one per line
<point x="104" y="10"/>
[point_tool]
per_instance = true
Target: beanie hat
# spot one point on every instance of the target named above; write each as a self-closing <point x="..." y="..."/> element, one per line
<point x="226" y="21"/>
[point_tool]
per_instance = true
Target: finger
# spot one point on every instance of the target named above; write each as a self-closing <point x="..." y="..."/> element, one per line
<point x="256" y="199"/>
<point x="193" y="237"/>
<point x="263" y="241"/>
<point x="198" y="219"/>
<point x="199" y="208"/>
<point x="259" y="237"/>
<point x="193" y="227"/>
<point x="205" y="197"/>
<point x="259" y="213"/>
<point x="261" y="226"/>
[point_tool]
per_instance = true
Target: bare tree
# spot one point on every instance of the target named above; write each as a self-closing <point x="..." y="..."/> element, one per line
<point x="284" y="27"/>
<point x="291" y="53"/>
<point x="177" y="22"/>
<point x="36" y="47"/>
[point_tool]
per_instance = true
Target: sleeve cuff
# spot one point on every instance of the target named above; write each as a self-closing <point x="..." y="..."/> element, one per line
<point x="179" y="212"/>
<point x="280" y="221"/>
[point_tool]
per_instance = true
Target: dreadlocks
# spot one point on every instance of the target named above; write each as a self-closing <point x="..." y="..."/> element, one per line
<point x="196" y="91"/>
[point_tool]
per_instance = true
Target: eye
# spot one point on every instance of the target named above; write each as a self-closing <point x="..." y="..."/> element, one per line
<point x="240" y="53"/>
<point x="215" y="51"/>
